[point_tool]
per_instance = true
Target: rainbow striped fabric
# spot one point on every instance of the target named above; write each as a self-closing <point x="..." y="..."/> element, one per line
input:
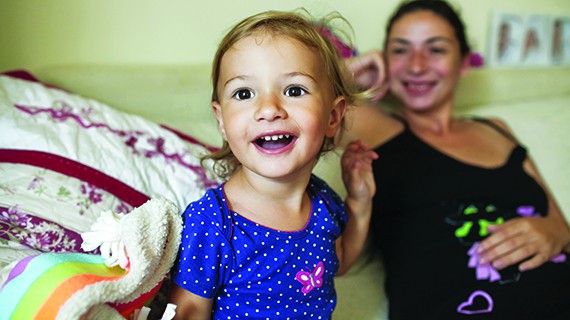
<point x="39" y="285"/>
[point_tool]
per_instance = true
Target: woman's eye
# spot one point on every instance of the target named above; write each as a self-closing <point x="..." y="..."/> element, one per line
<point x="295" y="91"/>
<point x="437" y="50"/>
<point x="398" y="51"/>
<point x="243" y="94"/>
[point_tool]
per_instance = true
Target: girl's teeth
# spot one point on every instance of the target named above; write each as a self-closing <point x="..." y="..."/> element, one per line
<point x="274" y="142"/>
<point x="275" y="138"/>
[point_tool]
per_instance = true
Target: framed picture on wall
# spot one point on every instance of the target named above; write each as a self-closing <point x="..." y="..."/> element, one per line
<point x="560" y="40"/>
<point x="506" y="39"/>
<point x="536" y="41"/>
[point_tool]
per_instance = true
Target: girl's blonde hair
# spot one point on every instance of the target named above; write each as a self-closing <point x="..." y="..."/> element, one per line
<point x="297" y="25"/>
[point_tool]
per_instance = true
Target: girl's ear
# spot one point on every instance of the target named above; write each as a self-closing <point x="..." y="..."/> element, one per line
<point x="218" y="113"/>
<point x="336" y="115"/>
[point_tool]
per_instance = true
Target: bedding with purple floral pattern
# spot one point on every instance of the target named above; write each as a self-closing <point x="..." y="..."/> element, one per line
<point x="65" y="158"/>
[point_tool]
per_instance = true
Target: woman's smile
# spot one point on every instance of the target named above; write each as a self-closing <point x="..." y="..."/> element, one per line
<point x="418" y="88"/>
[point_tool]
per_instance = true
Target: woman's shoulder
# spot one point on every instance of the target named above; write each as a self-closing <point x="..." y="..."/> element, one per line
<point x="371" y="124"/>
<point x="498" y="125"/>
<point x="493" y="121"/>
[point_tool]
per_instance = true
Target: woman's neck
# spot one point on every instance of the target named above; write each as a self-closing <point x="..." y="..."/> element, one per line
<point x="436" y="122"/>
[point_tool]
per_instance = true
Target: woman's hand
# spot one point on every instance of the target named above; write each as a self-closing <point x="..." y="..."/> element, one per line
<point x="369" y="72"/>
<point x="534" y="239"/>
<point x="357" y="173"/>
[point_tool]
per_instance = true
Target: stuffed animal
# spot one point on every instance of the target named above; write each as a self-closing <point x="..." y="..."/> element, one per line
<point x="137" y="251"/>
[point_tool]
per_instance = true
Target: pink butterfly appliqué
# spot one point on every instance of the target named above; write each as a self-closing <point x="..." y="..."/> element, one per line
<point x="311" y="280"/>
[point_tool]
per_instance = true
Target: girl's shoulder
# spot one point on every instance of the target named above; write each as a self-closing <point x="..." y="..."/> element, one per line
<point x="320" y="190"/>
<point x="319" y="186"/>
<point x="210" y="211"/>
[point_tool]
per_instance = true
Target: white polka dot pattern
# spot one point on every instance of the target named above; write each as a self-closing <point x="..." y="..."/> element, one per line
<point x="250" y="270"/>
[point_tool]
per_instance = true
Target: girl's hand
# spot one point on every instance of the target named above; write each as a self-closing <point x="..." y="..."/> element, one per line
<point x="368" y="72"/>
<point x="358" y="179"/>
<point x="357" y="172"/>
<point x="534" y="239"/>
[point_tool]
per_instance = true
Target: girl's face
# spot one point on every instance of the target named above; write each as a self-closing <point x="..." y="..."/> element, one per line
<point x="424" y="61"/>
<point x="276" y="105"/>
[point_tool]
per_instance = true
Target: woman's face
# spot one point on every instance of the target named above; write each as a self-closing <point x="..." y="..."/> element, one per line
<point x="424" y="61"/>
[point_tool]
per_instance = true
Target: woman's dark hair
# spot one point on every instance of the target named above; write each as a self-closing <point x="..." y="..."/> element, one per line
<point x="438" y="7"/>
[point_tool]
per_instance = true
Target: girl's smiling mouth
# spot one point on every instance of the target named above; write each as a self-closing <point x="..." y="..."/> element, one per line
<point x="274" y="142"/>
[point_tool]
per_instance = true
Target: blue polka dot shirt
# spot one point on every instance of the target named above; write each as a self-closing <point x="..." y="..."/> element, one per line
<point x="255" y="272"/>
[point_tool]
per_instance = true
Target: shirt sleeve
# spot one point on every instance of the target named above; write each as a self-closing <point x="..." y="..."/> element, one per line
<point x="205" y="253"/>
<point x="339" y="209"/>
<point x="334" y="202"/>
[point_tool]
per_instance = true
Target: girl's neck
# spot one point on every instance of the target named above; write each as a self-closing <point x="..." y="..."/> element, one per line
<point x="281" y="205"/>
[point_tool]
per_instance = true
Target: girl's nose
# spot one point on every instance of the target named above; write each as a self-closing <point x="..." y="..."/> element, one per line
<point x="270" y="108"/>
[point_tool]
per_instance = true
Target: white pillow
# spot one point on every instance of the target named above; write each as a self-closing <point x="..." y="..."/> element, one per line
<point x="64" y="158"/>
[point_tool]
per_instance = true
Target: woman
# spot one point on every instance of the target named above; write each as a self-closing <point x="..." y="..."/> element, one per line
<point x="463" y="221"/>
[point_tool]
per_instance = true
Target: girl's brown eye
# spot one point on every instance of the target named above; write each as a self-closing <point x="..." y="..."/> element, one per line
<point x="243" y="94"/>
<point x="294" y="91"/>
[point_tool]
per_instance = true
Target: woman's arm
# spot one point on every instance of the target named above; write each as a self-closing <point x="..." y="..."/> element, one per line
<point x="369" y="122"/>
<point x="190" y="306"/>
<point x="534" y="239"/>
<point x="359" y="181"/>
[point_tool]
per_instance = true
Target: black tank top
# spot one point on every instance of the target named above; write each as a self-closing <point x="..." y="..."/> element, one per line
<point x="429" y="212"/>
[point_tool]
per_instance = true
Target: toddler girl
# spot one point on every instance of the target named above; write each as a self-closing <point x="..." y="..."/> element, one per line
<point x="267" y="243"/>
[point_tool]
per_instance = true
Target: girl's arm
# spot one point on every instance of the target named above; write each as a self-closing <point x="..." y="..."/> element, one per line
<point x="359" y="181"/>
<point x="190" y="306"/>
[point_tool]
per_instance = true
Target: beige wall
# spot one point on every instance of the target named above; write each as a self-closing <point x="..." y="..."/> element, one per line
<point x="39" y="33"/>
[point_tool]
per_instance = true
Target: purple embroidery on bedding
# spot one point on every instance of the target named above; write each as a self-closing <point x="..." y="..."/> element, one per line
<point x="123" y="208"/>
<point x="93" y="195"/>
<point x="89" y="194"/>
<point x="63" y="112"/>
<point x="34" y="183"/>
<point x="37" y="233"/>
